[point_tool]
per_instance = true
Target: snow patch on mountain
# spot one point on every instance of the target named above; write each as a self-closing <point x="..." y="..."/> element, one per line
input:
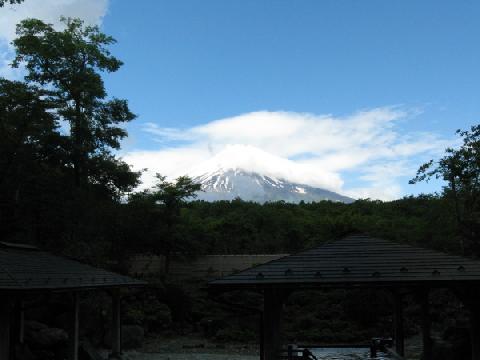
<point x="254" y="175"/>
<point x="250" y="186"/>
<point x="247" y="158"/>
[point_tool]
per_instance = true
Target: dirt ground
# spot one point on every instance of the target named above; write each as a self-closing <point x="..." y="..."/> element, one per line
<point x="197" y="348"/>
<point x="187" y="356"/>
<point x="192" y="344"/>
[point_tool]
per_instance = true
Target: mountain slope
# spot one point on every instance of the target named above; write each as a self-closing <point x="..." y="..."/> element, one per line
<point x="251" y="186"/>
<point x="253" y="174"/>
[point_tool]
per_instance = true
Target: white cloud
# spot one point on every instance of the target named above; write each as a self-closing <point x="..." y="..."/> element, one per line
<point x="50" y="11"/>
<point x="170" y="162"/>
<point x="382" y="179"/>
<point x="361" y="155"/>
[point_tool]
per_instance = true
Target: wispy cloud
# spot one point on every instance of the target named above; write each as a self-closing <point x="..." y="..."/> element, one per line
<point x="167" y="134"/>
<point x="50" y="11"/>
<point x="363" y="155"/>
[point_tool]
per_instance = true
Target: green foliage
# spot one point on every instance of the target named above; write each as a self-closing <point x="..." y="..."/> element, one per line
<point x="236" y="334"/>
<point x="460" y="169"/>
<point x="173" y="195"/>
<point x="323" y="317"/>
<point x="239" y="227"/>
<point x="165" y="227"/>
<point x="31" y="154"/>
<point x="70" y="64"/>
<point x="147" y="311"/>
<point x="11" y="2"/>
<point x="60" y="183"/>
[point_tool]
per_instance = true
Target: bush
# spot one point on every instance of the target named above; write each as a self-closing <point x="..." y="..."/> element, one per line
<point x="236" y="334"/>
<point x="149" y="313"/>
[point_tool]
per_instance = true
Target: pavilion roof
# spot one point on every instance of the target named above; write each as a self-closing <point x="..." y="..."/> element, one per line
<point x="358" y="260"/>
<point x="24" y="267"/>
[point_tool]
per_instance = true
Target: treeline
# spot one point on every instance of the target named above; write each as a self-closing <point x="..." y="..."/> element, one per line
<point x="239" y="227"/>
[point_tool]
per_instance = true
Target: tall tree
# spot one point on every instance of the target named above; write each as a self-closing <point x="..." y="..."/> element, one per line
<point x="70" y="63"/>
<point x="31" y="152"/>
<point x="460" y="169"/>
<point x="166" y="200"/>
<point x="170" y="196"/>
<point x="64" y="70"/>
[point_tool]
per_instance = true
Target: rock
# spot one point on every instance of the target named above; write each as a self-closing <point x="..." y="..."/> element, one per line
<point x="88" y="352"/>
<point x="132" y="337"/>
<point x="34" y="325"/>
<point x="44" y="355"/>
<point x="47" y="338"/>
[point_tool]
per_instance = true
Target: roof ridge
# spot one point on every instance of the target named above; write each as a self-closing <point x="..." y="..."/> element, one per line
<point x="359" y="259"/>
<point x="19" y="246"/>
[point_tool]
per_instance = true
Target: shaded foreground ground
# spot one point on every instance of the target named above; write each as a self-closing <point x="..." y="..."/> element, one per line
<point x="191" y="345"/>
<point x="197" y="348"/>
<point x="188" y="356"/>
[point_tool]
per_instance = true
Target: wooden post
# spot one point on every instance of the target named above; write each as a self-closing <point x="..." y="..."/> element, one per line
<point x="373" y="349"/>
<point x="74" y="331"/>
<point x="426" y="325"/>
<point x="398" y="324"/>
<point x="5" y="316"/>
<point x="470" y="296"/>
<point x="116" y="325"/>
<point x="475" y="332"/>
<point x="272" y="312"/>
<point x="262" y="340"/>
<point x="21" y="320"/>
<point x="290" y="352"/>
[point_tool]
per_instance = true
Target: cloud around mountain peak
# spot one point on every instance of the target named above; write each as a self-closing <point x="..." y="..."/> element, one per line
<point x="249" y="158"/>
<point x="365" y="154"/>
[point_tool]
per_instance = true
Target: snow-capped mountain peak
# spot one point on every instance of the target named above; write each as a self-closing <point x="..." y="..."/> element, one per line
<point x="254" y="175"/>
<point x="242" y="158"/>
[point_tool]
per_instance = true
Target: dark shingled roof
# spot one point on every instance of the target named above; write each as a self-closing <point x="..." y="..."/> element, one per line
<point x="24" y="267"/>
<point x="358" y="260"/>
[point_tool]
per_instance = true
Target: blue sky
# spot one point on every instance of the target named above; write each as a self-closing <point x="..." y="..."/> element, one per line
<point x="192" y="64"/>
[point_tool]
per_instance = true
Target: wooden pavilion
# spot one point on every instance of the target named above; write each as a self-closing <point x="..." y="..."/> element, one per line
<point x="360" y="261"/>
<point x="26" y="271"/>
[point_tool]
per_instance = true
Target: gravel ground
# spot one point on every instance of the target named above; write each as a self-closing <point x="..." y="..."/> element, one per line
<point x="187" y="356"/>
<point x="189" y="348"/>
<point x="196" y="348"/>
<point x="191" y="345"/>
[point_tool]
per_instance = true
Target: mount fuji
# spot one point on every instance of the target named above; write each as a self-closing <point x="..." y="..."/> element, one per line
<point x="249" y="173"/>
